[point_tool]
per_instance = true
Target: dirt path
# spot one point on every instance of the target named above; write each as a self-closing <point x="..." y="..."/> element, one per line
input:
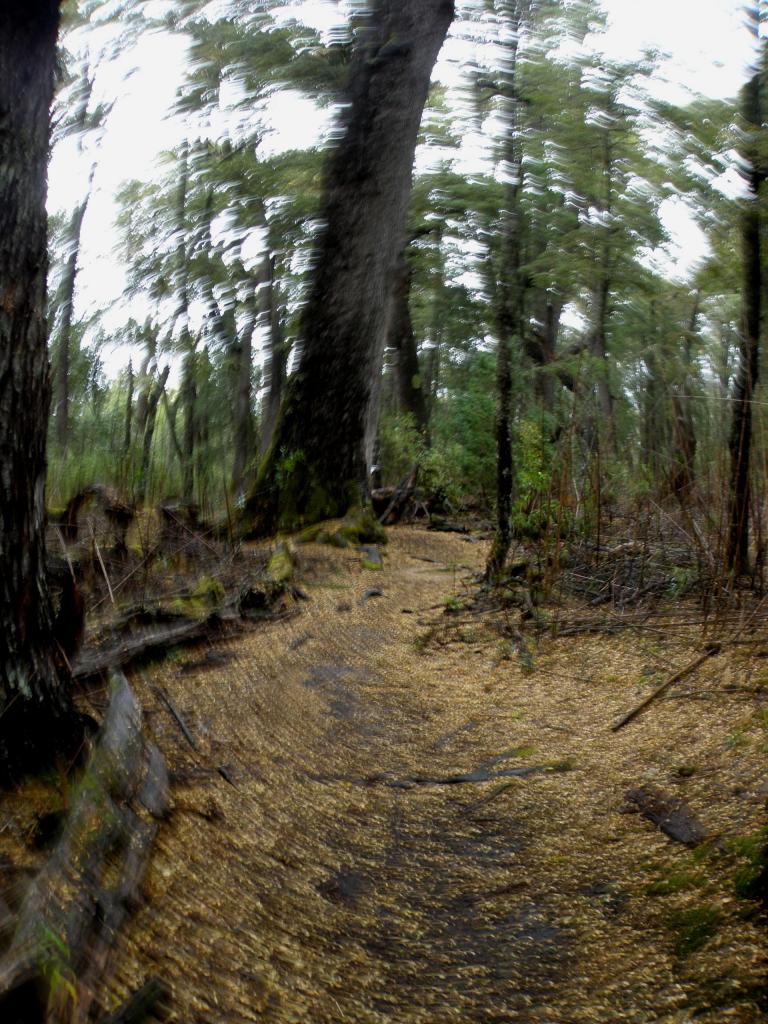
<point x="385" y="854"/>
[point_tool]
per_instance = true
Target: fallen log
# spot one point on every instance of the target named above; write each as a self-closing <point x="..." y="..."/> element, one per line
<point x="400" y="497"/>
<point x="137" y="648"/>
<point x="673" y="816"/>
<point x="72" y="912"/>
<point x="439" y="525"/>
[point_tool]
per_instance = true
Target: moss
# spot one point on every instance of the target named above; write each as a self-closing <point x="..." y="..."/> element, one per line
<point x="362" y="528"/>
<point x="209" y="589"/>
<point x="372" y="566"/>
<point x="751" y="879"/>
<point x="312" y="534"/>
<point x="693" y="928"/>
<point x="281" y="564"/>
<point x="667" y="885"/>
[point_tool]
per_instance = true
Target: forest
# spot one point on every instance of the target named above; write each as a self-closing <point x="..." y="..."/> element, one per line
<point x="383" y="525"/>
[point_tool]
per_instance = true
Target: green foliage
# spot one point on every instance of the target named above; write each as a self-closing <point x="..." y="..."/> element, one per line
<point x="536" y="513"/>
<point x="693" y="928"/>
<point x="751" y="879"/>
<point x="57" y="972"/>
<point x="668" y="884"/>
<point x="287" y="464"/>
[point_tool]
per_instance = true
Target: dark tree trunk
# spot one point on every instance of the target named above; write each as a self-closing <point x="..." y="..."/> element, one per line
<point x="740" y="441"/>
<point x="189" y="405"/>
<point x="187" y="345"/>
<point x="276" y="361"/>
<point x="684" y="453"/>
<point x="540" y="346"/>
<point x="66" y="291"/>
<point x="34" y="700"/>
<point x="66" y="300"/>
<point x="408" y="376"/>
<point x="655" y="426"/>
<point x="128" y="413"/>
<point x="242" y="415"/>
<point x="509" y="313"/>
<point x="599" y="351"/>
<point x="153" y="399"/>
<point x="317" y="463"/>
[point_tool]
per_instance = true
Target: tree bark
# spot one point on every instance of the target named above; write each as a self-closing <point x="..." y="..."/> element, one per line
<point x="684" y="454"/>
<point x="509" y="311"/>
<point x="410" y="389"/>
<point x="740" y="441"/>
<point x="186" y="342"/>
<point x="34" y="700"/>
<point x="599" y="350"/>
<point x="66" y="301"/>
<point x="317" y="465"/>
<point x="128" y="413"/>
<point x="276" y="361"/>
<point x="153" y="400"/>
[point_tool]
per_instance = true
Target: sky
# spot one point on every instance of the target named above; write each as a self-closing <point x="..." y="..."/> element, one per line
<point x="708" y="51"/>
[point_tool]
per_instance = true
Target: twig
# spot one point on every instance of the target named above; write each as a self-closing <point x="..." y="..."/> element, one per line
<point x="711" y="650"/>
<point x="103" y="567"/>
<point x="163" y="696"/>
<point x="193" y="533"/>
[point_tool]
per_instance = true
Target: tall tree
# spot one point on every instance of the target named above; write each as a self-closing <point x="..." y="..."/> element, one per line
<point x="740" y="441"/>
<point x="508" y="292"/>
<point x="318" y="463"/>
<point x="35" y="709"/>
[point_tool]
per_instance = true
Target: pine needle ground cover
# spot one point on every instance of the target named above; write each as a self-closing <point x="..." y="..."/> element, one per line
<point x="389" y="816"/>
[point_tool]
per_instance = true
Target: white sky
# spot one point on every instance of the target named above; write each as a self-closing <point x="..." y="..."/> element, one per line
<point x="709" y="51"/>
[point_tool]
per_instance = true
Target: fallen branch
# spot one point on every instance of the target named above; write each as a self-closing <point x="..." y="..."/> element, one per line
<point x="92" y="663"/>
<point x="403" y="493"/>
<point x="710" y="652"/>
<point x="163" y="696"/>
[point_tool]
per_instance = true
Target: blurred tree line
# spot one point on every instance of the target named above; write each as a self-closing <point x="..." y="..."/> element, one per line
<point x="543" y="360"/>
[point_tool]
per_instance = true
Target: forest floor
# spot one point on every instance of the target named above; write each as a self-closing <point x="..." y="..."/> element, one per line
<point x="382" y="852"/>
<point x="394" y="812"/>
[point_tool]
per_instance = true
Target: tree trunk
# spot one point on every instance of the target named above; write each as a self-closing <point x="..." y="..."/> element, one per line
<point x="740" y="441"/>
<point x="153" y="400"/>
<point x="509" y="311"/>
<point x="276" y="360"/>
<point x="128" y="414"/>
<point x="34" y="700"/>
<point x="187" y="344"/>
<point x="684" y="454"/>
<point x="317" y="463"/>
<point x="189" y="405"/>
<point x="410" y="390"/>
<point x="66" y="300"/>
<point x="599" y="351"/>
<point x="243" y="418"/>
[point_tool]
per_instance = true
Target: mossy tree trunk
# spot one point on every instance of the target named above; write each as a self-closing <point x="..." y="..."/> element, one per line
<point x="317" y="464"/>
<point x="35" y="707"/>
